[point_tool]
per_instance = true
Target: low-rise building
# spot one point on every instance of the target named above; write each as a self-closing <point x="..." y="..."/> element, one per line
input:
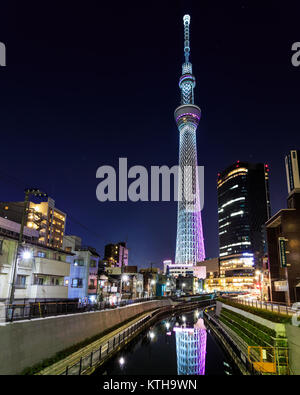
<point x="41" y="271"/>
<point x="44" y="217"/>
<point x="83" y="278"/>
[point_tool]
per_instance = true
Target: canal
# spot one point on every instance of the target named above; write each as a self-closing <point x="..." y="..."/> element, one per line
<point x="179" y="344"/>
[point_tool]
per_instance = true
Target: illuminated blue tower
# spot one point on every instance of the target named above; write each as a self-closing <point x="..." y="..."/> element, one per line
<point x="189" y="243"/>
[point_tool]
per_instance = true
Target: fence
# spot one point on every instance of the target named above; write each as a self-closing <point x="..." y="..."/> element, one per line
<point x="105" y="349"/>
<point x="16" y="312"/>
<point x="276" y="308"/>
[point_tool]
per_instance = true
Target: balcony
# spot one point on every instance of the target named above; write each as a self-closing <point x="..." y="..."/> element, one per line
<point x="48" y="291"/>
<point x="51" y="267"/>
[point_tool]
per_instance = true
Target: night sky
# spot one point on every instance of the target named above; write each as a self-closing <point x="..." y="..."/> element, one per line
<point x="89" y="82"/>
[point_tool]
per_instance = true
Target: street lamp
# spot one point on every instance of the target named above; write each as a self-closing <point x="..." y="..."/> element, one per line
<point x="26" y="255"/>
<point x="125" y="278"/>
<point x="152" y="283"/>
<point x="259" y="277"/>
<point x="183" y="285"/>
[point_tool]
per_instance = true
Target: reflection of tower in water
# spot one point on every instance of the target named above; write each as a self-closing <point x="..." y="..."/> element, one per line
<point x="191" y="349"/>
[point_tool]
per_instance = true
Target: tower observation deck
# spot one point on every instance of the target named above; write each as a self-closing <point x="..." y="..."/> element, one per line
<point x="189" y="242"/>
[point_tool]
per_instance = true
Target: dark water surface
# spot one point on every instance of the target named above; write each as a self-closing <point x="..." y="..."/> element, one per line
<point x="178" y="344"/>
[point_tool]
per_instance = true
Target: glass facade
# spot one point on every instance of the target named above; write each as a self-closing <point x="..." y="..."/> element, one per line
<point x="243" y="208"/>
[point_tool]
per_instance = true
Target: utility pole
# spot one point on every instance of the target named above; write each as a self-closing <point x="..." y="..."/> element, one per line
<point x="28" y="192"/>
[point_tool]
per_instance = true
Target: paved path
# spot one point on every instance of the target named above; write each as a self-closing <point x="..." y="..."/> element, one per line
<point x="60" y="366"/>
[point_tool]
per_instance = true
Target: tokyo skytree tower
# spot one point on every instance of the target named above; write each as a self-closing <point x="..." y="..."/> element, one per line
<point x="189" y="242"/>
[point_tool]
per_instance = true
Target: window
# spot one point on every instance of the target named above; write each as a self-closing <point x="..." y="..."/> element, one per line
<point x="78" y="262"/>
<point x="41" y="254"/>
<point x="77" y="282"/>
<point x="21" y="281"/>
<point x="40" y="281"/>
<point x="1" y="246"/>
<point x="92" y="263"/>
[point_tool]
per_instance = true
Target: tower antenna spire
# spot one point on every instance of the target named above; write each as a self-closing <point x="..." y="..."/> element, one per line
<point x="187" y="48"/>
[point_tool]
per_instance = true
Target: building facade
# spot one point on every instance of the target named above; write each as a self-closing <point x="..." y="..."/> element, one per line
<point x="283" y="232"/>
<point x="44" y="217"/>
<point x="243" y="208"/>
<point x="292" y="167"/>
<point x="189" y="241"/>
<point x="41" y="271"/>
<point x="83" y="279"/>
<point x="116" y="254"/>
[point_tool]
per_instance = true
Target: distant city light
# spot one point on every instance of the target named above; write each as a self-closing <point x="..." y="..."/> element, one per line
<point x="152" y="335"/>
<point x="121" y="361"/>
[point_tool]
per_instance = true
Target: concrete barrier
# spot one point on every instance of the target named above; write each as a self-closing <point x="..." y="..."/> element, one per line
<point x="25" y="343"/>
<point x="293" y="335"/>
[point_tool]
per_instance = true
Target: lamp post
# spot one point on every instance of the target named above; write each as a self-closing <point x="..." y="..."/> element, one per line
<point x="28" y="192"/>
<point x="152" y="284"/>
<point x="124" y="277"/>
<point x="259" y="277"/>
<point x="182" y="286"/>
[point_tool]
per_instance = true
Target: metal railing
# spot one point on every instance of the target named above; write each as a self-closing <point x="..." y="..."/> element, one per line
<point x="274" y="307"/>
<point x="17" y="312"/>
<point x="102" y="352"/>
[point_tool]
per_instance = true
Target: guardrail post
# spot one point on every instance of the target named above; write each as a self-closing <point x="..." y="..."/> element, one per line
<point x="100" y="349"/>
<point x="91" y="359"/>
<point x="67" y="370"/>
<point x="80" y="366"/>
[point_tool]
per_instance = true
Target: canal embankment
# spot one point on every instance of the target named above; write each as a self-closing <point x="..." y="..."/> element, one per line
<point x="27" y="343"/>
<point x="264" y="342"/>
<point x="97" y="353"/>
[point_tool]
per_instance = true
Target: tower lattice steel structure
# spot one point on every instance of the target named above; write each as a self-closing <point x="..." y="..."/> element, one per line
<point x="189" y="243"/>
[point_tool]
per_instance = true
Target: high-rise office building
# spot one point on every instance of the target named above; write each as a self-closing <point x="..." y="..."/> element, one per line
<point x="189" y="242"/>
<point x="116" y="254"/>
<point x="243" y="207"/>
<point x="292" y="167"/>
<point x="283" y="234"/>
<point x="44" y="217"/>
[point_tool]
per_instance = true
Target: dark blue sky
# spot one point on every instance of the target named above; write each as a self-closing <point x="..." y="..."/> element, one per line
<point x="88" y="83"/>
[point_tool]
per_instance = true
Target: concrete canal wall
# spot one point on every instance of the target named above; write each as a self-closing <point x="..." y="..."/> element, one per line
<point x="290" y="332"/>
<point x="25" y="343"/>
